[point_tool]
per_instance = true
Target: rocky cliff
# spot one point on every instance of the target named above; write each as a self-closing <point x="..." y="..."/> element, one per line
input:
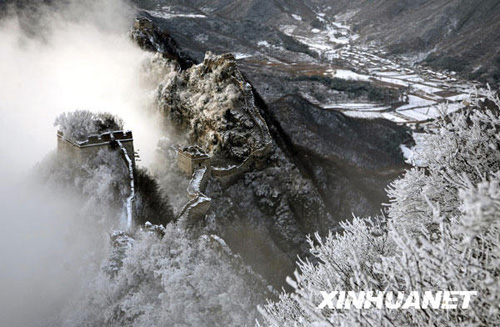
<point x="311" y="168"/>
<point x="213" y="103"/>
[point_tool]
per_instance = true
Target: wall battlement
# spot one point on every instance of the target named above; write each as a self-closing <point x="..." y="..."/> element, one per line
<point x="123" y="136"/>
<point x="88" y="149"/>
<point x="194" y="162"/>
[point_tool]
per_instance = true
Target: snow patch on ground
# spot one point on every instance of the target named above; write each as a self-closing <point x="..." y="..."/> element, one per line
<point x="170" y="15"/>
<point x="356" y="105"/>
<point x="264" y="44"/>
<point x="362" y="114"/>
<point x="415" y="101"/>
<point x="349" y="75"/>
<point x="238" y="55"/>
<point x="393" y="117"/>
<point x="459" y="97"/>
<point x="202" y="38"/>
<point x="407" y="153"/>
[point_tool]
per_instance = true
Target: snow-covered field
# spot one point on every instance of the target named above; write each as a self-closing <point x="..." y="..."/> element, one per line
<point x="166" y="12"/>
<point x="423" y="91"/>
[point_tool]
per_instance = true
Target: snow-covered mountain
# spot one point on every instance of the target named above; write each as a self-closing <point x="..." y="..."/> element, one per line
<point x="445" y="34"/>
<point x="265" y="122"/>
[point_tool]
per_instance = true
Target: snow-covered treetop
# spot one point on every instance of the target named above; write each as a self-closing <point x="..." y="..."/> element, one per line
<point x="80" y="124"/>
<point x="194" y="152"/>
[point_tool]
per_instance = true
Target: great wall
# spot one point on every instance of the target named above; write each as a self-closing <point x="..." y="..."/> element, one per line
<point x="85" y="150"/>
<point x="88" y="148"/>
<point x="195" y="162"/>
<point x="191" y="160"/>
<point x="199" y="203"/>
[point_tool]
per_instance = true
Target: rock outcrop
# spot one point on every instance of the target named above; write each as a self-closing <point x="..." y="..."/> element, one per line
<point x="150" y="38"/>
<point x="279" y="171"/>
<point x="214" y="104"/>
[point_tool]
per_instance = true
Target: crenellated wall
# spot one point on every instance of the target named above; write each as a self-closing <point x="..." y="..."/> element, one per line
<point x="88" y="149"/>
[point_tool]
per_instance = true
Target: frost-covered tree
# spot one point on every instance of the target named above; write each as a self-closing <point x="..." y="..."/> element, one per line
<point x="170" y="278"/>
<point x="442" y="232"/>
<point x="101" y="183"/>
<point x="78" y="125"/>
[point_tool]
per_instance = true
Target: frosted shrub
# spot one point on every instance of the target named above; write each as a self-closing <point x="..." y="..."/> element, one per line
<point x="171" y="280"/>
<point x="442" y="232"/>
<point x="100" y="184"/>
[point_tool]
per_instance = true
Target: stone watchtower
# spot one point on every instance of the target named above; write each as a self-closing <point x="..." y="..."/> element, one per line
<point x="87" y="149"/>
<point x="191" y="158"/>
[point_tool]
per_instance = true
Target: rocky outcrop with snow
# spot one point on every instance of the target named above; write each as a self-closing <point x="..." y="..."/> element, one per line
<point x="214" y="104"/>
<point x="150" y="38"/>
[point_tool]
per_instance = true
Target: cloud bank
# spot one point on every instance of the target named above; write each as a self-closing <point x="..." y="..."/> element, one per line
<point x="63" y="57"/>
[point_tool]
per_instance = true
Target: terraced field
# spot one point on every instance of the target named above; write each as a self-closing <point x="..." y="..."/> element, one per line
<point x="423" y="91"/>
